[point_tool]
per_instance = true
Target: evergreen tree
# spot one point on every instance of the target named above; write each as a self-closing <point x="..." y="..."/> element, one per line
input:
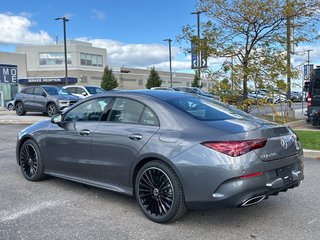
<point x="154" y="79"/>
<point x="195" y="82"/>
<point x="109" y="81"/>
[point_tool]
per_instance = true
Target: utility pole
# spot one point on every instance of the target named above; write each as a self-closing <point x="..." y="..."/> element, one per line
<point x="198" y="45"/>
<point x="308" y="59"/>
<point x="169" y="41"/>
<point x="289" y="19"/>
<point x="64" y="19"/>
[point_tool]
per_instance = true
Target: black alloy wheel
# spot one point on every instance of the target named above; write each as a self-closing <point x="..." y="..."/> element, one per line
<point x="20" y="111"/>
<point x="30" y="161"/>
<point x="52" y="109"/>
<point x="159" y="192"/>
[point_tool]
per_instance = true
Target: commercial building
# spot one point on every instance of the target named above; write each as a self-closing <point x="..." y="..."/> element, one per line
<point x="44" y="64"/>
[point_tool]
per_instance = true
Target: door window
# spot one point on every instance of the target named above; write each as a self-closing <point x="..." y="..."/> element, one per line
<point x="126" y="111"/>
<point x="88" y="111"/>
<point x="148" y="117"/>
<point x="38" y="91"/>
<point x="28" y="90"/>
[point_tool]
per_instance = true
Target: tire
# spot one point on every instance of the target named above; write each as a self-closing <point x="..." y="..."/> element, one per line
<point x="159" y="192"/>
<point x="30" y="161"/>
<point x="20" y="111"/>
<point x="52" y="109"/>
<point x="10" y="107"/>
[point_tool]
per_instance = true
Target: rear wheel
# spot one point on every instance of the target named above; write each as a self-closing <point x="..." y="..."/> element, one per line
<point x="30" y="161"/>
<point x="20" y="111"/>
<point x="52" y="109"/>
<point x="159" y="192"/>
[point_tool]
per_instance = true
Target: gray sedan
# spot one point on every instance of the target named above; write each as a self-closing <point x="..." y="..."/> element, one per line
<point x="170" y="150"/>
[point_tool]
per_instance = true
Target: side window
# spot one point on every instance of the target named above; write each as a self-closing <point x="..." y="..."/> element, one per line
<point x="88" y="111"/>
<point x="71" y="90"/>
<point x="148" y="117"/>
<point x="38" y="91"/>
<point x="28" y="90"/>
<point x="126" y="111"/>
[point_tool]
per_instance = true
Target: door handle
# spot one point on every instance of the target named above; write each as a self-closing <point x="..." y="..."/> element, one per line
<point x="135" y="136"/>
<point x="84" y="132"/>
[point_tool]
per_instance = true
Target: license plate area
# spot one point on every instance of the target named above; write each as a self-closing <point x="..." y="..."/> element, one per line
<point x="285" y="173"/>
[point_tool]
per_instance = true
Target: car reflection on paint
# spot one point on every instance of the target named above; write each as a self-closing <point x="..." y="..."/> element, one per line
<point x="171" y="150"/>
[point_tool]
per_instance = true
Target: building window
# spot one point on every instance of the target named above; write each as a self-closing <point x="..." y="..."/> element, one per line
<point x="140" y="82"/>
<point x="53" y="58"/>
<point x="91" y="60"/>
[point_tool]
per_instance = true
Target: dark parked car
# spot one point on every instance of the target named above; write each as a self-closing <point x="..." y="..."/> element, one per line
<point x="47" y="99"/>
<point x="296" y="96"/>
<point x="313" y="97"/>
<point x="170" y="150"/>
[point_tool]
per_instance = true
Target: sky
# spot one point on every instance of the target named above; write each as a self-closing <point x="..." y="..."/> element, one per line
<point x="132" y="31"/>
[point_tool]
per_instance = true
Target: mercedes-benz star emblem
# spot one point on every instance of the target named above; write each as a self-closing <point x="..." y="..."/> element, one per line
<point x="283" y="143"/>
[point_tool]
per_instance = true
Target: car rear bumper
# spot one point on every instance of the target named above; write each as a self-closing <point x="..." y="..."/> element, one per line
<point x="215" y="180"/>
<point x="238" y="193"/>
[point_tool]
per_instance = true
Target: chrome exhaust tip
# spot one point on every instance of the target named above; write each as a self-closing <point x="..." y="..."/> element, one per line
<point x="253" y="201"/>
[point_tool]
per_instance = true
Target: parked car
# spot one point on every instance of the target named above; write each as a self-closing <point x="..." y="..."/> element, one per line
<point x="162" y="88"/>
<point x="10" y="105"/>
<point x="296" y="96"/>
<point x="313" y="97"/>
<point x="83" y="91"/>
<point x="196" y="90"/>
<point x="47" y="99"/>
<point x="171" y="150"/>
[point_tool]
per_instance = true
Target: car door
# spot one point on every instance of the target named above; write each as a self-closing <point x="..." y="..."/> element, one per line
<point x="39" y="99"/>
<point x="27" y="98"/>
<point x="117" y="141"/>
<point x="68" y="146"/>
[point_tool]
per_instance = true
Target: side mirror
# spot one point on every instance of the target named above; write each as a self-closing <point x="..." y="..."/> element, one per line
<point x="43" y="94"/>
<point x="56" y="119"/>
<point x="84" y="94"/>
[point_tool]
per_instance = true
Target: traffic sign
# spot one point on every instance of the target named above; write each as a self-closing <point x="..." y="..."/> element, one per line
<point x="194" y="57"/>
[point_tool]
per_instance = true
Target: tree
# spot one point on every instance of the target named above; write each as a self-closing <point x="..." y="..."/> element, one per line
<point x="254" y="31"/>
<point x="109" y="81"/>
<point x="154" y="79"/>
<point x="195" y="82"/>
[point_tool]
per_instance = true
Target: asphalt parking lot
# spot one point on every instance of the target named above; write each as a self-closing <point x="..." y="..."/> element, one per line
<point x="60" y="209"/>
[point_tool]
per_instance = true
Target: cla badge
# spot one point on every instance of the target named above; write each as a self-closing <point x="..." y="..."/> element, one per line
<point x="283" y="143"/>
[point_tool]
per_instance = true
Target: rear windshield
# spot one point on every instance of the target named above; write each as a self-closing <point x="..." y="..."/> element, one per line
<point x="207" y="110"/>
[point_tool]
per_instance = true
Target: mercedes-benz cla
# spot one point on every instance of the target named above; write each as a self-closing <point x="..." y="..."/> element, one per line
<point x="171" y="150"/>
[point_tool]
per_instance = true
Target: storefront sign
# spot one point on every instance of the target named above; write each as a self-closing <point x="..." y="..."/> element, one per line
<point x="47" y="80"/>
<point x="8" y="73"/>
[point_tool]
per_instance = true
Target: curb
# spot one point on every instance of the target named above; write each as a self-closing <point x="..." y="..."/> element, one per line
<point x="296" y="123"/>
<point x="311" y="154"/>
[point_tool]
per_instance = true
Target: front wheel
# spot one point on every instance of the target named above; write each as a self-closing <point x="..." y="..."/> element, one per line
<point x="30" y="161"/>
<point x="159" y="192"/>
<point x="52" y="109"/>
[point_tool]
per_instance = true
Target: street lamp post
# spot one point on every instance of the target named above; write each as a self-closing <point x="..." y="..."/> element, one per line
<point x="169" y="41"/>
<point x="198" y="44"/>
<point x="64" y="19"/>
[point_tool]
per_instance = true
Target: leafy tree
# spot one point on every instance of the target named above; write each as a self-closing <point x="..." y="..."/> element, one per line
<point x="195" y="82"/>
<point x="254" y="33"/>
<point x="154" y="79"/>
<point x="109" y="81"/>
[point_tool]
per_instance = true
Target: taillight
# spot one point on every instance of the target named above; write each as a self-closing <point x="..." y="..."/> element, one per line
<point x="236" y="148"/>
<point x="309" y="100"/>
<point x="251" y="175"/>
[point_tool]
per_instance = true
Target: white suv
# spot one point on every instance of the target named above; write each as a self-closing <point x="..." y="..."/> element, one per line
<point x="83" y="91"/>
